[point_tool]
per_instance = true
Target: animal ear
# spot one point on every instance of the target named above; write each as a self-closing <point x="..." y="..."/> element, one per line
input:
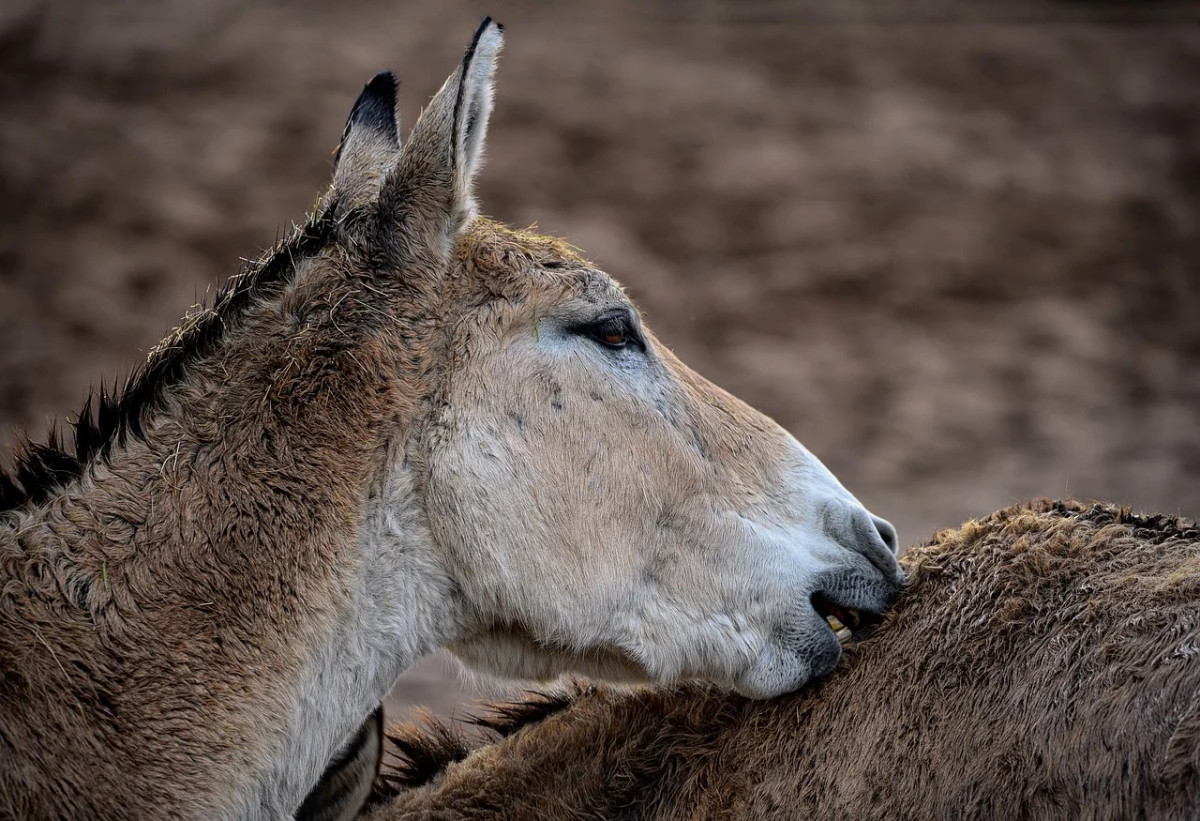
<point x="370" y="144"/>
<point x="473" y="105"/>
<point x="447" y="143"/>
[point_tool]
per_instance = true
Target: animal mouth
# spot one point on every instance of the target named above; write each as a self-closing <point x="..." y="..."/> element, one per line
<point x="845" y="622"/>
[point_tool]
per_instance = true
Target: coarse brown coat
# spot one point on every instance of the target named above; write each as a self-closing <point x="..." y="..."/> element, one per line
<point x="408" y="427"/>
<point x="1044" y="663"/>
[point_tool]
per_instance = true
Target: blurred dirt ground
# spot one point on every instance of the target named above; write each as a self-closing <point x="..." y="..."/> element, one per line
<point x="957" y="257"/>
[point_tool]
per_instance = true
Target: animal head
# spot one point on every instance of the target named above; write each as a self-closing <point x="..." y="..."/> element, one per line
<point x="515" y="465"/>
<point x="599" y="506"/>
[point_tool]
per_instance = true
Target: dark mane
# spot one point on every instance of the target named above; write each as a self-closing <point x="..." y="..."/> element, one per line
<point x="108" y="417"/>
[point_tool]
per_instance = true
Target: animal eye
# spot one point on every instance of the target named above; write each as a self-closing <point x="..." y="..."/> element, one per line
<point x="613" y="331"/>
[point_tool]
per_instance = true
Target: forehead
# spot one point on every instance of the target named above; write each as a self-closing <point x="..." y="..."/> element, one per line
<point x="520" y="265"/>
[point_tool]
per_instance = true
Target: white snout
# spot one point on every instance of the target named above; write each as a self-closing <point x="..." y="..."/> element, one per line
<point x="835" y="549"/>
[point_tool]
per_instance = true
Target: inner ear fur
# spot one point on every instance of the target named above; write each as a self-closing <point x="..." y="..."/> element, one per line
<point x="444" y="153"/>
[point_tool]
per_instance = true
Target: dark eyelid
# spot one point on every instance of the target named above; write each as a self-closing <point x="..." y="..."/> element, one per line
<point x="616" y="313"/>
<point x="622" y="315"/>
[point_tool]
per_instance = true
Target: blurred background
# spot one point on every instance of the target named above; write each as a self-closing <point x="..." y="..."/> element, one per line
<point x="952" y="246"/>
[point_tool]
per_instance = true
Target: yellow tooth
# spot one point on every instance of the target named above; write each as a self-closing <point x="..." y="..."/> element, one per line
<point x="840" y="630"/>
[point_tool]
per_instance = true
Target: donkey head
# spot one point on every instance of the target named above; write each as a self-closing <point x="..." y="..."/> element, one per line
<point x="588" y="501"/>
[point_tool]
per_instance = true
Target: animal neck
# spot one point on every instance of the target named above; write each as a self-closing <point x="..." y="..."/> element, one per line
<point x="401" y="606"/>
<point x="247" y="579"/>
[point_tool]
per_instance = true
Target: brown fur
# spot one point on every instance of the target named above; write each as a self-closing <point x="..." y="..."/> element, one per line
<point x="402" y="430"/>
<point x="159" y="595"/>
<point x="1045" y="663"/>
<point x="133" y="602"/>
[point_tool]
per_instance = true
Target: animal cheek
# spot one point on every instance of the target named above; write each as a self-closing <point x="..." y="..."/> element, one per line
<point x="656" y="569"/>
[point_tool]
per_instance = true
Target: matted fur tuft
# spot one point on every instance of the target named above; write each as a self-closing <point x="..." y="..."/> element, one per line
<point x="417" y="752"/>
<point x="503" y="718"/>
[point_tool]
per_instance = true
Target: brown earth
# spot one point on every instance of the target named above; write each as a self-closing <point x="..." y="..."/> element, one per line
<point x="955" y="256"/>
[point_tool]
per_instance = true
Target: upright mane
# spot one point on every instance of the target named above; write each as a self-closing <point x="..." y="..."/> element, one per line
<point x="108" y="417"/>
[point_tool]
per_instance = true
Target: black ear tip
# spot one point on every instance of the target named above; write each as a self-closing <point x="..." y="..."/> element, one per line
<point x="376" y="107"/>
<point x="487" y="22"/>
<point x="383" y="84"/>
<point x="470" y="55"/>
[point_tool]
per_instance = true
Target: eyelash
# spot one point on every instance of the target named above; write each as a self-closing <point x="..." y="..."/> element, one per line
<point x="614" y="331"/>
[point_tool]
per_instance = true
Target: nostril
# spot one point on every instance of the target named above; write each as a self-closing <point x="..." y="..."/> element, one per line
<point x="853" y="527"/>
<point x="887" y="533"/>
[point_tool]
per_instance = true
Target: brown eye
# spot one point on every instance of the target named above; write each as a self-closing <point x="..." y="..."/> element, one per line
<point x="613" y="331"/>
<point x="614" y="338"/>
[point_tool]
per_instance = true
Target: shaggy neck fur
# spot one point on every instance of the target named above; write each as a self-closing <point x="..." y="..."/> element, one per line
<point x="401" y="607"/>
<point x="238" y="570"/>
<point x="205" y="598"/>
<point x="200" y="584"/>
